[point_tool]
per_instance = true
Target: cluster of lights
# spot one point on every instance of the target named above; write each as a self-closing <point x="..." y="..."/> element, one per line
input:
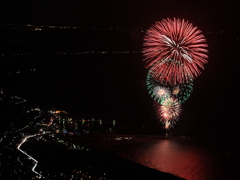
<point x="35" y="27"/>
<point x="71" y="126"/>
<point x="18" y="72"/>
<point x="76" y="174"/>
<point x="12" y="99"/>
<point x="74" y="53"/>
<point x="67" y="144"/>
<point x="30" y="157"/>
<point x="16" y="136"/>
<point x="38" y="125"/>
<point x="14" y="166"/>
<point x="39" y="133"/>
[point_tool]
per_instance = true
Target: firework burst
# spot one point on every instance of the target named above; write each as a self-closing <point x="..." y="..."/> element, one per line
<point x="155" y="89"/>
<point x="175" y="50"/>
<point x="161" y="91"/>
<point x="169" y="111"/>
<point x="182" y="91"/>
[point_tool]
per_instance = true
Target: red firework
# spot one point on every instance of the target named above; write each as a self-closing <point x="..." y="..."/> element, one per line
<point x="175" y="51"/>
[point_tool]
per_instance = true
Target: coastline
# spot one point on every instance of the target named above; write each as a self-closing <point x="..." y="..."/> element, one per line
<point x="101" y="158"/>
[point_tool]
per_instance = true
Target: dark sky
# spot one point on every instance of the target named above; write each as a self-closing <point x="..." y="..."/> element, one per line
<point x="214" y="99"/>
<point x="206" y="13"/>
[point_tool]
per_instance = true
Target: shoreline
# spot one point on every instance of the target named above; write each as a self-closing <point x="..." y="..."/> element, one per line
<point x="56" y="160"/>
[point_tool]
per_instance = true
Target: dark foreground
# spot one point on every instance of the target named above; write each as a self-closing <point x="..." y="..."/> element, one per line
<point x="96" y="163"/>
<point x="58" y="162"/>
<point x="118" y="157"/>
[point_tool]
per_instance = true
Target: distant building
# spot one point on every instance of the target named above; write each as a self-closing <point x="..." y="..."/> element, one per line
<point x="65" y="124"/>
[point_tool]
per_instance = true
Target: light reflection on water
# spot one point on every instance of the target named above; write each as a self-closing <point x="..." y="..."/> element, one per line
<point x="188" y="160"/>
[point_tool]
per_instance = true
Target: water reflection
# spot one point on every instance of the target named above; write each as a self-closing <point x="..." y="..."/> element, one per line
<point x="171" y="156"/>
<point x="188" y="160"/>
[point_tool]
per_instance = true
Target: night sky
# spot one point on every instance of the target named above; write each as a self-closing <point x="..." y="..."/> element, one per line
<point x="116" y="85"/>
<point x="206" y="14"/>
